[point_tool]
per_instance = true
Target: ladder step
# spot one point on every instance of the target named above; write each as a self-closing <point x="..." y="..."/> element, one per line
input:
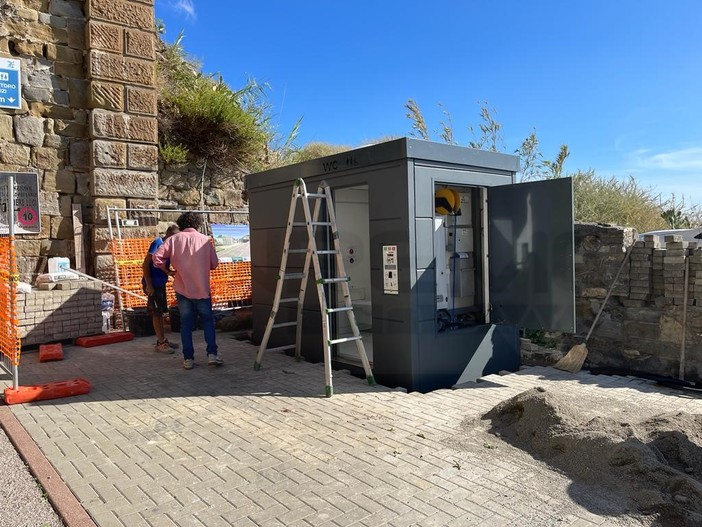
<point x="313" y="223"/>
<point x="281" y="348"/>
<point x="334" y="280"/>
<point x="345" y="339"/>
<point x="339" y="309"/>
<point x="327" y="252"/>
<point x="284" y="325"/>
<point x="297" y="251"/>
<point x="316" y="195"/>
<point x="293" y="276"/>
<point x="288" y="300"/>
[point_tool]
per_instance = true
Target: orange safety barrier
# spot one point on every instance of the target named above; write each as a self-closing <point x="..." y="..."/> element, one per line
<point x="10" y="345"/>
<point x="229" y="283"/>
<point x="42" y="392"/>
<point x="48" y="352"/>
<point x="107" y="338"/>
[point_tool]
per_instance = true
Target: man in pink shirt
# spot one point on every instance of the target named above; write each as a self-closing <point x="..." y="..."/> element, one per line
<point x="192" y="255"/>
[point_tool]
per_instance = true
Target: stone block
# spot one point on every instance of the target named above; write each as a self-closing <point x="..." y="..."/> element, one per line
<point x="47" y="158"/>
<point x="66" y="182"/>
<point x="61" y="228"/>
<point x="100" y="208"/>
<point x="79" y="154"/>
<point x="127" y="183"/>
<point x="6" y="128"/>
<point x="109" y="154"/>
<point x="66" y="206"/>
<point x="25" y="248"/>
<point x="123" y="12"/>
<point x="107" y="37"/>
<point x="141" y="100"/>
<point x="78" y="93"/>
<point x="71" y="129"/>
<point x="111" y="67"/>
<point x="66" y="8"/>
<point x="69" y="69"/>
<point x="109" y="125"/>
<point x="48" y="181"/>
<point x="143" y="157"/>
<point x="140" y="44"/>
<point x="107" y="96"/>
<point x="49" y="203"/>
<point x="56" y="247"/>
<point x="14" y="154"/>
<point x="29" y="130"/>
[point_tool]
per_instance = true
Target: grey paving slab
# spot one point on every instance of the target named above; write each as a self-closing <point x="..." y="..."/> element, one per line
<point x="155" y="445"/>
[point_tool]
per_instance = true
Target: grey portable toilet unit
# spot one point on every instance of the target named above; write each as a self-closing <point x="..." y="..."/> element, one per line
<point x="438" y="293"/>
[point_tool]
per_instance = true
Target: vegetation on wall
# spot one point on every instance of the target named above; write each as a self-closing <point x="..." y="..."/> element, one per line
<point x="205" y="122"/>
<point x="596" y="199"/>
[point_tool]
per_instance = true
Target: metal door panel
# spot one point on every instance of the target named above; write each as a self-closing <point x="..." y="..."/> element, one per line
<point x="531" y="255"/>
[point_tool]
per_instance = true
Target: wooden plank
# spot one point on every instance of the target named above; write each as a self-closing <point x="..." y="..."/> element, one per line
<point x="78" y="236"/>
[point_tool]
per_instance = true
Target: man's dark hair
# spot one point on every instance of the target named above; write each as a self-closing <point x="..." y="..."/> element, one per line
<point x="189" y="220"/>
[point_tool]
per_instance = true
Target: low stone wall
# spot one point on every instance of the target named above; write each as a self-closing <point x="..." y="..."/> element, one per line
<point x="70" y="310"/>
<point x="645" y="320"/>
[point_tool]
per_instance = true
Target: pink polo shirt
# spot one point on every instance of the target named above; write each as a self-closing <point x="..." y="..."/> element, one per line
<point x="192" y="255"/>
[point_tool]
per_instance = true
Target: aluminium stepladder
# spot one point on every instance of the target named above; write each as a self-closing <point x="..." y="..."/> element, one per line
<point x="312" y="221"/>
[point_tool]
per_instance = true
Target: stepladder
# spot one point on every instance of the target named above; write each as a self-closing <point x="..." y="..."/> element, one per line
<point x="319" y="227"/>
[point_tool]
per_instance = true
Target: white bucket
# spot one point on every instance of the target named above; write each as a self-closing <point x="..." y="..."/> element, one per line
<point x="59" y="264"/>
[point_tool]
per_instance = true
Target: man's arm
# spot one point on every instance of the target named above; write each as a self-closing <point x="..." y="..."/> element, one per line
<point x="162" y="255"/>
<point x="214" y="261"/>
<point x="146" y="270"/>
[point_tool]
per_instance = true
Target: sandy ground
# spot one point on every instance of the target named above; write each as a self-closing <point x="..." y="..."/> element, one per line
<point x="624" y="462"/>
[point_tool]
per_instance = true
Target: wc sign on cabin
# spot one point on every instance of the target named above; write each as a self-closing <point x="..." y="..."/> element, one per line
<point x="10" y="88"/>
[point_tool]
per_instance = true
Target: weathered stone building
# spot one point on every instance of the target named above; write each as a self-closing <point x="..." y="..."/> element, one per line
<point x="88" y="120"/>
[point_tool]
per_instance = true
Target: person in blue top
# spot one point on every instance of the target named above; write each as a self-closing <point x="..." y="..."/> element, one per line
<point x="154" y="282"/>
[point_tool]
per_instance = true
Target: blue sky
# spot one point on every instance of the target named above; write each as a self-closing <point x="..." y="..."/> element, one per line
<point x="618" y="81"/>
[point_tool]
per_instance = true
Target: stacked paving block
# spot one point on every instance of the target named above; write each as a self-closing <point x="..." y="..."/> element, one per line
<point x="71" y="309"/>
<point x="640" y="279"/>
<point x="674" y="269"/>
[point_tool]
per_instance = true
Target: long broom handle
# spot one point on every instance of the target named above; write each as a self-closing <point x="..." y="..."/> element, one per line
<point x="611" y="288"/>
<point x="108" y="284"/>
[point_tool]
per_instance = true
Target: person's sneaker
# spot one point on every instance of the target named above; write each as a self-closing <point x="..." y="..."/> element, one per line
<point x="214" y="360"/>
<point x="163" y="347"/>
<point x="172" y="345"/>
<point x="188" y="364"/>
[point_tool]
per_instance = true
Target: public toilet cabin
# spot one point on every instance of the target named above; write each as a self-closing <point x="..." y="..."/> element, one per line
<point x="447" y="258"/>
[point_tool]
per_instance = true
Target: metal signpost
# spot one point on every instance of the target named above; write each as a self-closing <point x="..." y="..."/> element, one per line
<point x="27" y="217"/>
<point x="10" y="83"/>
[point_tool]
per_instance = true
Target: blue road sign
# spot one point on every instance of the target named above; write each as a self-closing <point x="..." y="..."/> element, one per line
<point x="10" y="89"/>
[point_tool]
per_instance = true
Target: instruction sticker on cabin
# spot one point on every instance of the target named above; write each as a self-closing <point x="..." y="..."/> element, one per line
<point x="390" y="283"/>
<point x="26" y="208"/>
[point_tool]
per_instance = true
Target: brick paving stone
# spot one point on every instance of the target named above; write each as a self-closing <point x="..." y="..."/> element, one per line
<point x="155" y="445"/>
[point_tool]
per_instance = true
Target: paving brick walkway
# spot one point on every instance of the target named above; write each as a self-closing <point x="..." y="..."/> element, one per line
<point x="155" y="445"/>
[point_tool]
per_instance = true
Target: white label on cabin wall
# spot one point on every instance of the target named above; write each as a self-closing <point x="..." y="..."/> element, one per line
<point x="390" y="282"/>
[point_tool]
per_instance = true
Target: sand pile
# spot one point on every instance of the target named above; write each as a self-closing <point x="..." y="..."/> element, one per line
<point x="654" y="466"/>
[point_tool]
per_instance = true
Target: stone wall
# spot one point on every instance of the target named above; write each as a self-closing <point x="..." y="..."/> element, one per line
<point x="180" y="188"/>
<point x="642" y="326"/>
<point x="49" y="135"/>
<point x="88" y="120"/>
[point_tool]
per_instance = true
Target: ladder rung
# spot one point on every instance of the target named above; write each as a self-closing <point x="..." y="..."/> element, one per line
<point x="288" y="300"/>
<point x="284" y="325"/>
<point x="281" y="348"/>
<point x="327" y="252"/>
<point x="345" y="339"/>
<point x="316" y="195"/>
<point x="292" y="276"/>
<point x="313" y="223"/>
<point x="334" y="280"/>
<point x="339" y="309"/>
<point x="297" y="250"/>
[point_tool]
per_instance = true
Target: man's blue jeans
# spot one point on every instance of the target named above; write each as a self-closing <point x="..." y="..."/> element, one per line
<point x="189" y="308"/>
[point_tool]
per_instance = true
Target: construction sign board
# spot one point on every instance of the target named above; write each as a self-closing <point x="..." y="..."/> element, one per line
<point x="26" y="207"/>
<point x="10" y="83"/>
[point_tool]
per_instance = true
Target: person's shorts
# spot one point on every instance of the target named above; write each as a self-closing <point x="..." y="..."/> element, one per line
<point x="157" y="302"/>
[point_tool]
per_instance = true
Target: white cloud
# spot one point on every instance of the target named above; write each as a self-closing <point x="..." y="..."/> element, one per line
<point x="686" y="159"/>
<point x="185" y="6"/>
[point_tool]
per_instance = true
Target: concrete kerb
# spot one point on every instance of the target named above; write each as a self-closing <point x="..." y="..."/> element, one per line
<point x="61" y="498"/>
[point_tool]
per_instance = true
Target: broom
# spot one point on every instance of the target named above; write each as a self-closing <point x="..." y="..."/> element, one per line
<point x="574" y="359"/>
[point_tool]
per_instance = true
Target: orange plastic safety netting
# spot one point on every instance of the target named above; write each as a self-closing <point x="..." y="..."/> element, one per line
<point x="230" y="282"/>
<point x="10" y="344"/>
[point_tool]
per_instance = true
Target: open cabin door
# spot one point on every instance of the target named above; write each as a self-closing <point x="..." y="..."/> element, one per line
<point x="531" y="255"/>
